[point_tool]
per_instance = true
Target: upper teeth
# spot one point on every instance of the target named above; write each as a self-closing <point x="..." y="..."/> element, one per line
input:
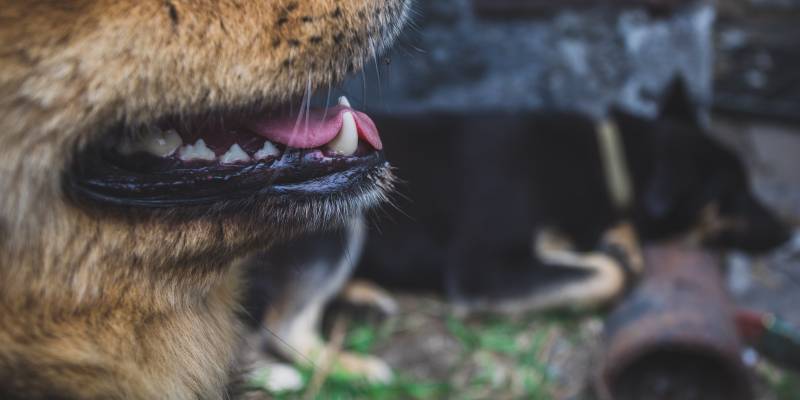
<point x="268" y="150"/>
<point x="164" y="144"/>
<point x="196" y="151"/>
<point x="346" y="142"/>
<point x="233" y="155"/>
<point x="154" y="141"/>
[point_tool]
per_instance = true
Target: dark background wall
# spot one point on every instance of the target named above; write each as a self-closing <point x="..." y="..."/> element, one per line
<point x="758" y="58"/>
<point x="464" y="55"/>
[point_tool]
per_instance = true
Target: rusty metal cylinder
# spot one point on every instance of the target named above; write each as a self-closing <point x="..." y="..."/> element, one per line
<point x="675" y="336"/>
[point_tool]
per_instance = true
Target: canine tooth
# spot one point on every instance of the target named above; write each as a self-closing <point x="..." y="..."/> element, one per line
<point x="235" y="154"/>
<point x="163" y="144"/>
<point x="196" y="151"/>
<point x="344" y="102"/>
<point x="346" y="142"/>
<point x="268" y="150"/>
<point x="154" y="141"/>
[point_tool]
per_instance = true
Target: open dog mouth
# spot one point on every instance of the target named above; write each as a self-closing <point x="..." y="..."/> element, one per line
<point x="175" y="162"/>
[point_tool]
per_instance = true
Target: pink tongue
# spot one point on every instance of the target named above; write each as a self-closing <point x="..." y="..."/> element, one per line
<point x="318" y="129"/>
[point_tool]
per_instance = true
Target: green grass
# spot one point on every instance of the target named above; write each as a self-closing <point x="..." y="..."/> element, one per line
<point x="513" y="347"/>
<point x="362" y="338"/>
<point x="787" y="387"/>
<point x="497" y="358"/>
<point x="340" y="386"/>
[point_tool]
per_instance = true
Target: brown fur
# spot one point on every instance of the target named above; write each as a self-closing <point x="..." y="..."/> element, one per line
<point x="141" y="305"/>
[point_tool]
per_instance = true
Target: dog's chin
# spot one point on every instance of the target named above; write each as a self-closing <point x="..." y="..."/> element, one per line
<point x="259" y="169"/>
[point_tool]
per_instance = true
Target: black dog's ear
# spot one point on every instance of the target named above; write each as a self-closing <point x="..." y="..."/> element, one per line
<point x="677" y="102"/>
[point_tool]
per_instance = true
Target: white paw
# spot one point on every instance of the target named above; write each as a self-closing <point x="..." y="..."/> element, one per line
<point x="275" y="378"/>
<point x="370" y="368"/>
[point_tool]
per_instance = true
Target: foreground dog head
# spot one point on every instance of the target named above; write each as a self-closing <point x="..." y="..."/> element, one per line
<point x="143" y="145"/>
<point x="82" y="82"/>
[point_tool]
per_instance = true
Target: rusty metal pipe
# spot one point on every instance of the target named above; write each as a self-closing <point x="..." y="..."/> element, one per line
<point x="675" y="336"/>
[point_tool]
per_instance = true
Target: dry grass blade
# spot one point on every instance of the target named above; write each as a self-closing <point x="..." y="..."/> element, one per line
<point x="328" y="359"/>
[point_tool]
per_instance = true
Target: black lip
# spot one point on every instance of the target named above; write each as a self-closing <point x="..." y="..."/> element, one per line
<point x="297" y="172"/>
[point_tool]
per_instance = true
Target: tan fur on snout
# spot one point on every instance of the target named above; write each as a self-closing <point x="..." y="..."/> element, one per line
<point x="140" y="305"/>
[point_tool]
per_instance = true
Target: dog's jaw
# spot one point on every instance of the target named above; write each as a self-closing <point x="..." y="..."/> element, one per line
<point x="141" y="305"/>
<point x="104" y="63"/>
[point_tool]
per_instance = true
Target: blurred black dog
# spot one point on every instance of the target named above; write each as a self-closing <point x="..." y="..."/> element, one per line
<point x="481" y="186"/>
<point x="510" y="212"/>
